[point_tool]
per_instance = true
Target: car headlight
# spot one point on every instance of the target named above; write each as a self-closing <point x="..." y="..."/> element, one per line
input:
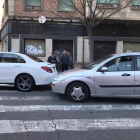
<point x="58" y="77"/>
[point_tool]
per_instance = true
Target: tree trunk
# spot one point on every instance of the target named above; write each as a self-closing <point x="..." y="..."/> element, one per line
<point x="91" y="49"/>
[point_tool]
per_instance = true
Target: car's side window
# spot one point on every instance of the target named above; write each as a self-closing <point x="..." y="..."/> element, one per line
<point x="1" y="55"/>
<point x="20" y="60"/>
<point x="11" y="58"/>
<point x="123" y="63"/>
<point x="138" y="62"/>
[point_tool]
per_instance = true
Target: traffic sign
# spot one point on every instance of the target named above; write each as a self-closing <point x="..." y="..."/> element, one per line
<point x="42" y="19"/>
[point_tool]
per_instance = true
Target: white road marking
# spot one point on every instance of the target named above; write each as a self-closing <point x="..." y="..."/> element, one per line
<point x="3" y="91"/>
<point x="18" y="126"/>
<point x="29" y="98"/>
<point x="27" y="108"/>
<point x="5" y="126"/>
<point x="6" y="85"/>
<point x="1" y="107"/>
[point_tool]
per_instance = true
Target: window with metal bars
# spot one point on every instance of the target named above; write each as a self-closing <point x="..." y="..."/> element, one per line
<point x="136" y="4"/>
<point x="33" y="4"/>
<point x="108" y="3"/>
<point x="66" y="5"/>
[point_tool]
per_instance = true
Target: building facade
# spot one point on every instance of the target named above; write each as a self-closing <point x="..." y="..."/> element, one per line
<point x="22" y="32"/>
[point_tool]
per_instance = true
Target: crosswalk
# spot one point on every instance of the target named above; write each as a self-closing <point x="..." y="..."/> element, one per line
<point x="62" y="123"/>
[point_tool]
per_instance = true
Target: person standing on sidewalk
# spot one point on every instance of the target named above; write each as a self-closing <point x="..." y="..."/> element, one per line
<point x="52" y="59"/>
<point x="64" y="60"/>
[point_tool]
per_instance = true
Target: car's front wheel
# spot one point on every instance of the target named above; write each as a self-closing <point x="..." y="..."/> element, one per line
<point x="77" y="92"/>
<point x="24" y="82"/>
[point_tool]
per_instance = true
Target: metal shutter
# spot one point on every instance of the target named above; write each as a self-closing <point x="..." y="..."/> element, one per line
<point x="103" y="48"/>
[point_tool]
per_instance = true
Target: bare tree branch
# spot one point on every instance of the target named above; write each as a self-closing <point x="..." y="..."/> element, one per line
<point x="112" y="14"/>
<point x="96" y="15"/>
<point x="105" y="10"/>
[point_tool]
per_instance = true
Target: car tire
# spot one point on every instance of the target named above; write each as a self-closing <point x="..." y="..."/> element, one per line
<point x="24" y="83"/>
<point x="77" y="92"/>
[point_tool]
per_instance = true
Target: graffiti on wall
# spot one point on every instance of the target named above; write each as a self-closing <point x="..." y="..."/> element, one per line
<point x="58" y="53"/>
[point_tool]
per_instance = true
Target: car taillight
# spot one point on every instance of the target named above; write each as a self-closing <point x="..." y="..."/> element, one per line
<point x="47" y="69"/>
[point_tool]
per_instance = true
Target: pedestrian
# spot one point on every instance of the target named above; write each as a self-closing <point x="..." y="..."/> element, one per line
<point x="64" y="60"/>
<point x="52" y="59"/>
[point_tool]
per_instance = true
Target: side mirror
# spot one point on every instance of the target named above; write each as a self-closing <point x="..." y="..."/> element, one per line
<point x="103" y="69"/>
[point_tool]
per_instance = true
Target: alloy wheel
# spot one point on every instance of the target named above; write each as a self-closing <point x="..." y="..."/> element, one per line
<point x="24" y="83"/>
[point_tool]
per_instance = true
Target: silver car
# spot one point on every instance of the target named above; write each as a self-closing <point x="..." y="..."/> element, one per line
<point x="116" y="75"/>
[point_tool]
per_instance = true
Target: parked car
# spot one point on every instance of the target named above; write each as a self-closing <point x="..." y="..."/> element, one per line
<point x="116" y="75"/>
<point x="25" y="71"/>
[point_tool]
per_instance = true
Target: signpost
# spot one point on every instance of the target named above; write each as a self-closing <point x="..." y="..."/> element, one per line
<point x="42" y="19"/>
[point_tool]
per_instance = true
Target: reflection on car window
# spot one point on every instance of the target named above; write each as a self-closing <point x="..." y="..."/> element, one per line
<point x="91" y="66"/>
<point x="10" y="58"/>
<point x="1" y="55"/>
<point x="20" y="60"/>
<point x="120" y="64"/>
<point x="34" y="58"/>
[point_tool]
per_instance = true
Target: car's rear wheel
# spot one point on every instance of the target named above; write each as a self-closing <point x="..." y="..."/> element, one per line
<point x="77" y="92"/>
<point x="24" y="82"/>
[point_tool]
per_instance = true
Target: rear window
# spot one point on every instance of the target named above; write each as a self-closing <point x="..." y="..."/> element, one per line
<point x="34" y="58"/>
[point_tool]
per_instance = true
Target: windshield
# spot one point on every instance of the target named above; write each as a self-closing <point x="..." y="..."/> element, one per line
<point x="94" y="64"/>
<point x="34" y="58"/>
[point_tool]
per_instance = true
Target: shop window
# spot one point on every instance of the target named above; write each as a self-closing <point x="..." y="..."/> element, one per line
<point x="108" y="3"/>
<point x="65" y="5"/>
<point x="136" y="4"/>
<point x="35" y="47"/>
<point x="33" y="4"/>
<point x="131" y="47"/>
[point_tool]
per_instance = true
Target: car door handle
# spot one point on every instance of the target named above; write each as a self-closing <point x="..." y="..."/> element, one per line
<point x="17" y="66"/>
<point x="125" y="74"/>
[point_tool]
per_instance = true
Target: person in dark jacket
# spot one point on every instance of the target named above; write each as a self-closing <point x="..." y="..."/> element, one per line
<point x="64" y="60"/>
<point x="52" y="59"/>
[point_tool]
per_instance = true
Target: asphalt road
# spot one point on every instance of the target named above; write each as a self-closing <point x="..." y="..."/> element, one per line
<point x="44" y="115"/>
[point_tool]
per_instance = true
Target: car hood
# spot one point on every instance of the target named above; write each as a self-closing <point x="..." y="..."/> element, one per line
<point x="73" y="73"/>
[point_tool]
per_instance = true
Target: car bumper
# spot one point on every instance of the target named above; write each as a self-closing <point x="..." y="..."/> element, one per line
<point x="45" y="79"/>
<point x="58" y="86"/>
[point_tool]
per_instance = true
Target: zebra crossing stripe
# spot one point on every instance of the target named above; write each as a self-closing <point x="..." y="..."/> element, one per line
<point x="2" y="109"/>
<point x="18" y="126"/>
<point x="28" y="108"/>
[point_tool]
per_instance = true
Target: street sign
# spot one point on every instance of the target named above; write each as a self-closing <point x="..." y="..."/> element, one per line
<point x="42" y="19"/>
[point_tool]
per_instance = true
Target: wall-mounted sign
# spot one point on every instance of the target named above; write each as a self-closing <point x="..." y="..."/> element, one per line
<point x="42" y="19"/>
<point x="49" y="29"/>
<point x="15" y="36"/>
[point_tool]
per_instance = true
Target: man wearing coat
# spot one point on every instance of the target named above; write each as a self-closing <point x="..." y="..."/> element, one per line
<point x="52" y="59"/>
<point x="64" y="60"/>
